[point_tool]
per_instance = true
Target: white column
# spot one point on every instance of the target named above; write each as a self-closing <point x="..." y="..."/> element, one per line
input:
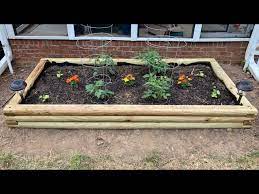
<point x="6" y="47"/>
<point x="250" y="52"/>
<point x="253" y="42"/>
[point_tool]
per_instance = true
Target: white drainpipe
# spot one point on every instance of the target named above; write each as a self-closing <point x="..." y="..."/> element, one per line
<point x="6" y="47"/>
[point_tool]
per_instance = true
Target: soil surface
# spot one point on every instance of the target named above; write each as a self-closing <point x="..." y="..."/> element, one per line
<point x="199" y="93"/>
<point x="1" y="52"/>
<point x="129" y="149"/>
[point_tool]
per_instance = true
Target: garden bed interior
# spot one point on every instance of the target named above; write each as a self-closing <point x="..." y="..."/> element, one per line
<point x="199" y="93"/>
<point x="73" y="107"/>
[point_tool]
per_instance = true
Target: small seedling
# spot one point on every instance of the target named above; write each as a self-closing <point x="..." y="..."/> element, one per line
<point x="184" y="81"/>
<point x="215" y="92"/>
<point x="59" y="74"/>
<point x="73" y="81"/>
<point x="44" y="97"/>
<point x="98" y="90"/>
<point x="200" y="74"/>
<point x="158" y="87"/>
<point x="129" y="79"/>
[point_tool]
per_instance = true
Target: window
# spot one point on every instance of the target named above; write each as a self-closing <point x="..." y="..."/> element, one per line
<point x="114" y="30"/>
<point x="132" y="32"/>
<point x="40" y="29"/>
<point x="226" y="30"/>
<point x="166" y="30"/>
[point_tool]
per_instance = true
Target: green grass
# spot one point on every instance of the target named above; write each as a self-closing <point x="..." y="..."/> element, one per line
<point x="81" y="162"/>
<point x="6" y="160"/>
<point x="249" y="161"/>
<point x="254" y="154"/>
<point x="152" y="159"/>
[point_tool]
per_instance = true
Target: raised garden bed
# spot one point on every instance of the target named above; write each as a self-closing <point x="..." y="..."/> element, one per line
<point x="68" y="107"/>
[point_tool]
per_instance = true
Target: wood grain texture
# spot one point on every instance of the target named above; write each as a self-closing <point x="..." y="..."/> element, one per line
<point x="126" y="125"/>
<point x="182" y="119"/>
<point x="123" y="110"/>
<point x="16" y="99"/>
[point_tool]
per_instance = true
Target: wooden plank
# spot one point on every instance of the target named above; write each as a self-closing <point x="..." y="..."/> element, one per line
<point x="8" y="122"/>
<point x="123" y="110"/>
<point x="202" y="119"/>
<point x="132" y="61"/>
<point x="30" y="81"/>
<point x="221" y="74"/>
<point x="125" y="125"/>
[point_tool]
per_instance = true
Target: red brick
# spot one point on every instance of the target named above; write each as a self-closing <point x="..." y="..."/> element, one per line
<point x="32" y="50"/>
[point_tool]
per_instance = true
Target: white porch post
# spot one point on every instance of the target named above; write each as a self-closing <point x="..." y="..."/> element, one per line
<point x="252" y="46"/>
<point x="250" y="52"/>
<point x="6" y="47"/>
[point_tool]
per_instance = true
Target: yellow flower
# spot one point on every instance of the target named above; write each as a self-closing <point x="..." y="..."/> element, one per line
<point x="128" y="78"/>
<point x="125" y="79"/>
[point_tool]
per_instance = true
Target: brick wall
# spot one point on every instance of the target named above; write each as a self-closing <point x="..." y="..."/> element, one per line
<point x="30" y="51"/>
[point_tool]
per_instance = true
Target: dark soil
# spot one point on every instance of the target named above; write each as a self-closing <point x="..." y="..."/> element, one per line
<point x="199" y="93"/>
<point x="1" y="52"/>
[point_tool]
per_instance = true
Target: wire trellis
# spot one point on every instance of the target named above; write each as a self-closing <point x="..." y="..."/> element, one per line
<point x="167" y="49"/>
<point x="100" y="48"/>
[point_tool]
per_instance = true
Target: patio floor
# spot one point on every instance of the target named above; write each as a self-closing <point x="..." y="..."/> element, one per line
<point x="129" y="149"/>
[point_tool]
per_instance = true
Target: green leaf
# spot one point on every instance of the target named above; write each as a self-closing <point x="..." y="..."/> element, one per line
<point x="109" y="92"/>
<point x="145" y="96"/>
<point x="89" y="88"/>
<point x="98" y="93"/>
<point x="95" y="73"/>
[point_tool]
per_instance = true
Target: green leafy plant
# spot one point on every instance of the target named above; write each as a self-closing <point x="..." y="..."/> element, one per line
<point x="158" y="87"/>
<point x="105" y="60"/>
<point x="215" y="93"/>
<point x="97" y="89"/>
<point x="44" y="97"/>
<point x="200" y="74"/>
<point x="153" y="60"/>
<point x="59" y="74"/>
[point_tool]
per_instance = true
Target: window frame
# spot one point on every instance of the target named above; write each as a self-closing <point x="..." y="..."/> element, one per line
<point x="226" y="33"/>
<point x="133" y="37"/>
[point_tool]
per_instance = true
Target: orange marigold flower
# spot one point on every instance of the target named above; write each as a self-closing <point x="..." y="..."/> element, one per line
<point x="74" y="78"/>
<point x="181" y="77"/>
